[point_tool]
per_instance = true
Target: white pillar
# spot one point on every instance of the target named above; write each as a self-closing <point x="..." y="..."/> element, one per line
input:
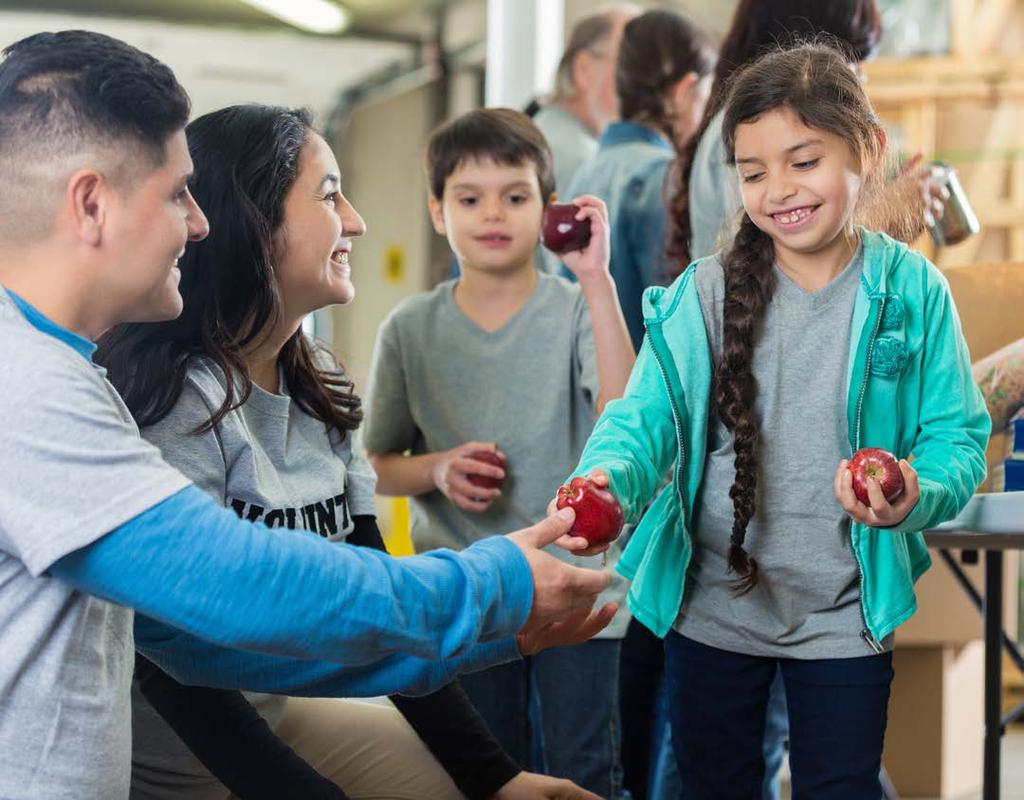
<point x="524" y="43"/>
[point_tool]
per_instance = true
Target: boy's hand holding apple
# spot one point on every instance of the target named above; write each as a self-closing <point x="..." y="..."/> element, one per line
<point x="470" y="475"/>
<point x="589" y="261"/>
<point x="889" y="486"/>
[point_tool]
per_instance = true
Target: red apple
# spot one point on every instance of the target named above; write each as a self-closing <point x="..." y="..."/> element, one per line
<point x="598" y="514"/>
<point x="883" y="466"/>
<point x="561" y="232"/>
<point x="486" y="481"/>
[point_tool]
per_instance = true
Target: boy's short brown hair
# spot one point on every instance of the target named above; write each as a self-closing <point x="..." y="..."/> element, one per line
<point x="503" y="135"/>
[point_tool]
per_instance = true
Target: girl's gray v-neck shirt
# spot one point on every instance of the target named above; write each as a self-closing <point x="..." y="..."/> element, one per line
<point x="807" y="602"/>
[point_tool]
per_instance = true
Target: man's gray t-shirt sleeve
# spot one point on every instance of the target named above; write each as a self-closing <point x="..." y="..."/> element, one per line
<point x="75" y="466"/>
<point x="389" y="426"/>
<point x="73" y="470"/>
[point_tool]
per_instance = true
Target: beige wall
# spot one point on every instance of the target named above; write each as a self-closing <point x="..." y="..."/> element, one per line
<point x="713" y="16"/>
<point x="380" y="159"/>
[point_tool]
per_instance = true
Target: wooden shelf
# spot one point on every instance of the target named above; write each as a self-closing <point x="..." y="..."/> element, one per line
<point x="968" y="109"/>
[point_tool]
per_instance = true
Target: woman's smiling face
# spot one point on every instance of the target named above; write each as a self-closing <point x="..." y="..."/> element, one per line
<point x="314" y="242"/>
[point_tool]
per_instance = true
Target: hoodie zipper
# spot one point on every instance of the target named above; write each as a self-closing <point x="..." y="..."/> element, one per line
<point x="867" y="373"/>
<point x="676" y="418"/>
<point x="866" y="634"/>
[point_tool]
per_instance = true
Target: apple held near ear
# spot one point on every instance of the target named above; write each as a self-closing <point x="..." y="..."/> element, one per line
<point x="561" y="232"/>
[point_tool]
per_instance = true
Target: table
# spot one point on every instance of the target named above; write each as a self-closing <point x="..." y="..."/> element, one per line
<point x="993" y="523"/>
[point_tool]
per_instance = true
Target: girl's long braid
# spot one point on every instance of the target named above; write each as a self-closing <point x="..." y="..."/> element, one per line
<point x="749" y="285"/>
<point x="814" y="82"/>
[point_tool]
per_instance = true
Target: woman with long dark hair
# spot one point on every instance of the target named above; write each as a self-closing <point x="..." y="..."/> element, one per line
<point x="261" y="417"/>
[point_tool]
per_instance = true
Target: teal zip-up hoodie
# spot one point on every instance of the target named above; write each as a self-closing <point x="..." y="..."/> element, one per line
<point x="910" y="391"/>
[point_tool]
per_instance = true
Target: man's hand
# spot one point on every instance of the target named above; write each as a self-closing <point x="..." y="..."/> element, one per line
<point x="881" y="513"/>
<point x="451" y="472"/>
<point x="563" y="595"/>
<point x="577" y="628"/>
<point x="530" y="786"/>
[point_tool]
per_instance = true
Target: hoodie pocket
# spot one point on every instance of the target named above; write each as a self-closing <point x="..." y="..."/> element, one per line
<point x="659" y="554"/>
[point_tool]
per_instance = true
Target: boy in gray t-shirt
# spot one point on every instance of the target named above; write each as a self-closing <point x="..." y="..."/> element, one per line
<point x="508" y="360"/>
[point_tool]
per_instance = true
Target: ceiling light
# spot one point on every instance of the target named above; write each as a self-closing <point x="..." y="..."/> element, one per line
<point x="317" y="16"/>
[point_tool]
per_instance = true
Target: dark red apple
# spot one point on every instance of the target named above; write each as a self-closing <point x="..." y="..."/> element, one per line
<point x="598" y="514"/>
<point x="486" y="481"/>
<point x="561" y="232"/>
<point x="883" y="466"/>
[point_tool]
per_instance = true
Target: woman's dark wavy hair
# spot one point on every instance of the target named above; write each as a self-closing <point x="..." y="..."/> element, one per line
<point x="817" y="84"/>
<point x="246" y="158"/>
<point x="758" y="27"/>
<point x="657" y="50"/>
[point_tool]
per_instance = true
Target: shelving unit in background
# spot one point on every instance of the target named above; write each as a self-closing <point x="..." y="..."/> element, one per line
<point x="967" y="108"/>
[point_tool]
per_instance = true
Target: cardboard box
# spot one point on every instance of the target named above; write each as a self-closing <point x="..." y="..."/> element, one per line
<point x="933" y="745"/>
<point x="990" y="301"/>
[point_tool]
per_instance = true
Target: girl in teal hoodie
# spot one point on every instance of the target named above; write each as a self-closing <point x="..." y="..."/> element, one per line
<point x="763" y="369"/>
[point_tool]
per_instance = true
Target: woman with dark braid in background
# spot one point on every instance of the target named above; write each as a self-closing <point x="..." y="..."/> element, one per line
<point x="662" y="77"/>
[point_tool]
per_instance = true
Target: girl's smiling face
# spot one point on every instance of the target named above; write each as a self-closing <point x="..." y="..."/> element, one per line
<point x="799" y="185"/>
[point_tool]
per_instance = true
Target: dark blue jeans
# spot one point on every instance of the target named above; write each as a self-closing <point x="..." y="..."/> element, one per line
<point x="665" y="782"/>
<point x="837" y="716"/>
<point x="577" y="728"/>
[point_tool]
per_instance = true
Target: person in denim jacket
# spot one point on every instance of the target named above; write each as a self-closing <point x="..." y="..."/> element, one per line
<point x="663" y="79"/>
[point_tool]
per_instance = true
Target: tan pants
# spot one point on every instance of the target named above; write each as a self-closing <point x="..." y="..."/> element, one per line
<point x="367" y="748"/>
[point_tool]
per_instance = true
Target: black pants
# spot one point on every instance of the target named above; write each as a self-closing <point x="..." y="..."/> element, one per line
<point x="641" y="667"/>
<point x="837" y="717"/>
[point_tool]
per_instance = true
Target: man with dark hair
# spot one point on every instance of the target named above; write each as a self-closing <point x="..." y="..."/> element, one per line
<point x="69" y="99"/>
<point x="95" y="210"/>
